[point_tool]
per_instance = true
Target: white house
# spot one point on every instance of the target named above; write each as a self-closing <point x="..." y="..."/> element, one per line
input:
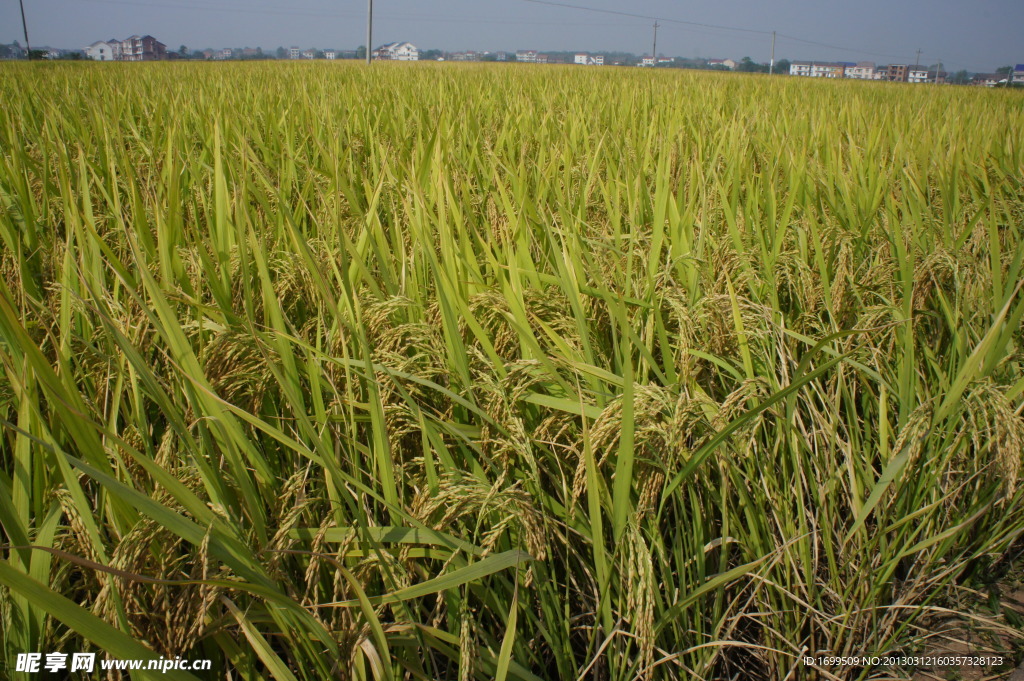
<point x="589" y="60"/>
<point x="863" y="70"/>
<point x="100" y="51"/>
<point x="330" y="54"/>
<point x="727" y="63"/>
<point x="1018" y="74"/>
<point x="294" y="53"/>
<point x="527" y="56"/>
<point x="646" y="61"/>
<point x="397" y="52"/>
<point x="917" y="74"/>
<point x="816" y="69"/>
<point x="800" y="68"/>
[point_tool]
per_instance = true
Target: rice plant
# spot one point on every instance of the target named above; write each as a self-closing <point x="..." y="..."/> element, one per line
<point x="442" y="372"/>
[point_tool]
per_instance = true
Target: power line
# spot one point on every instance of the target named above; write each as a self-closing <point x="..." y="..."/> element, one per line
<point x="646" y="16"/>
<point x="556" y="3"/>
<point x="314" y="12"/>
<point x="841" y="48"/>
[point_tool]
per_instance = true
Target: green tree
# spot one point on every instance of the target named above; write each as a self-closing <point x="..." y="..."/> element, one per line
<point x="782" y="66"/>
<point x="183" y="51"/>
<point x="1004" y="70"/>
<point x="748" y="65"/>
<point x="960" y="78"/>
<point x="361" y="52"/>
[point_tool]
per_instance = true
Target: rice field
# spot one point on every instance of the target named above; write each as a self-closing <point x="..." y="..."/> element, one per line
<point x="440" y="372"/>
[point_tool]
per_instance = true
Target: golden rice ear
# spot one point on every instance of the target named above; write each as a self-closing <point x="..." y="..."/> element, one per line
<point x="638" y="583"/>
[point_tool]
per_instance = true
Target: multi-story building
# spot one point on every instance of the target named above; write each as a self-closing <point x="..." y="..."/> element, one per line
<point x="330" y="54"/>
<point x="309" y="54"/>
<point x="896" y="73"/>
<point x="294" y="52"/>
<point x="144" y="48"/>
<point x="1018" y="74"/>
<point x="135" y="48"/>
<point x="527" y="56"/>
<point x="862" y="70"/>
<point x="397" y="52"/>
<point x="828" y="70"/>
<point x="800" y="68"/>
<point x="817" y="69"/>
<point x="590" y="60"/>
<point x="917" y="74"/>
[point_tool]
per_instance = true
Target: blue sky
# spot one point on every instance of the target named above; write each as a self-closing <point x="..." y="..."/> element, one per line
<point x="978" y="36"/>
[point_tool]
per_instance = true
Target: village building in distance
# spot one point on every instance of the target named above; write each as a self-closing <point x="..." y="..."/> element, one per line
<point x="397" y="52"/>
<point x="135" y="48"/>
<point x="148" y="48"/>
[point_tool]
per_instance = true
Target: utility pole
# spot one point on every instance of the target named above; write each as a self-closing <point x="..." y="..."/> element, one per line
<point x="24" y="26"/>
<point x="771" y="66"/>
<point x="369" y="31"/>
<point x="654" y="48"/>
<point x="918" y="62"/>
